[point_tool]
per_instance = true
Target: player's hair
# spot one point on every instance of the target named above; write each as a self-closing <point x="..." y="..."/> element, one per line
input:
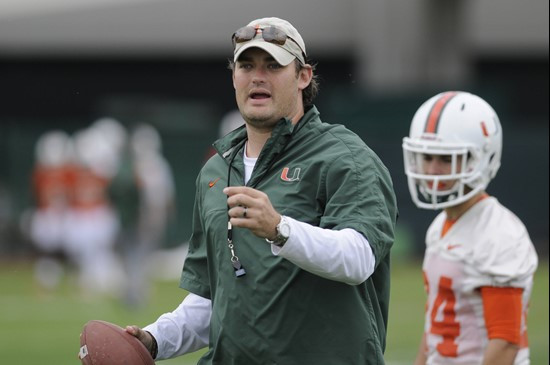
<point x="310" y="92"/>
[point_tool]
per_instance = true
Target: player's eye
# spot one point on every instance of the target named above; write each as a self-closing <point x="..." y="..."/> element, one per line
<point x="447" y="159"/>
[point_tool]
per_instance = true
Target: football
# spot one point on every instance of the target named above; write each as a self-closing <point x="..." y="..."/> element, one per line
<point x="104" y="343"/>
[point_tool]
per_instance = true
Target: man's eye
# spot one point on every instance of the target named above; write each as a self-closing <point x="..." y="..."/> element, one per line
<point x="245" y="66"/>
<point x="274" y="66"/>
<point x="427" y="157"/>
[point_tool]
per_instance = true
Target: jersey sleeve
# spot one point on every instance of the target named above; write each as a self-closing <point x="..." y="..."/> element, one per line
<point x="359" y="195"/>
<point x="502" y="310"/>
<point x="504" y="256"/>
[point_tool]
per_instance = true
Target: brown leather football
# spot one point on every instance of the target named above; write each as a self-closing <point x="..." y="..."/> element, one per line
<point x="104" y="343"/>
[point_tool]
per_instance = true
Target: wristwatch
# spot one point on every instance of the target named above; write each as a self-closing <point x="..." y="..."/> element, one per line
<point x="283" y="232"/>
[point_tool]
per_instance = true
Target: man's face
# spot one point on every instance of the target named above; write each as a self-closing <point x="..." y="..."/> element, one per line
<point x="440" y="165"/>
<point x="266" y="91"/>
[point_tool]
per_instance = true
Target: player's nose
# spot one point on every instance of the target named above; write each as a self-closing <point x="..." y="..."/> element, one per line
<point x="433" y="167"/>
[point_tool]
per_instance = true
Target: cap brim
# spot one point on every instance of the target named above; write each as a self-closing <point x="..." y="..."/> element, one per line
<point x="282" y="56"/>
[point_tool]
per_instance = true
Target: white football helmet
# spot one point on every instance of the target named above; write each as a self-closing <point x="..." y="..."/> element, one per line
<point x="53" y="148"/>
<point x="460" y="125"/>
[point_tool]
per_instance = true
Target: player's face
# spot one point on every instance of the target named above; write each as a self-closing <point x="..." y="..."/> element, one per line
<point x="266" y="91"/>
<point x="440" y="165"/>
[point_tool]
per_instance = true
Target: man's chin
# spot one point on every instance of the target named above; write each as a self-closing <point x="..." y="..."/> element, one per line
<point x="261" y="119"/>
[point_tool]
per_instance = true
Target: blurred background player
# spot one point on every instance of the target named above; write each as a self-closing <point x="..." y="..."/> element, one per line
<point x="51" y="188"/>
<point x="92" y="226"/>
<point x="479" y="260"/>
<point x="143" y="193"/>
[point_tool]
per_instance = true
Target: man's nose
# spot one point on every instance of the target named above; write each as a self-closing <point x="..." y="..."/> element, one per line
<point x="259" y="76"/>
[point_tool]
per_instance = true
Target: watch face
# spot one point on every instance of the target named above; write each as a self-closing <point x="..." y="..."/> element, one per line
<point x="284" y="229"/>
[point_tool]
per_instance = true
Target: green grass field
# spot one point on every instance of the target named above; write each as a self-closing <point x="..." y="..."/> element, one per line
<point x="44" y="329"/>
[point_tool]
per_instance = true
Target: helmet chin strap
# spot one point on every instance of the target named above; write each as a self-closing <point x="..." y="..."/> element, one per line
<point x="433" y="199"/>
<point x="433" y="196"/>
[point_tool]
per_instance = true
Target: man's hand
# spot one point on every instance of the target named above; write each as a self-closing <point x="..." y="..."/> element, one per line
<point x="145" y="337"/>
<point x="252" y="209"/>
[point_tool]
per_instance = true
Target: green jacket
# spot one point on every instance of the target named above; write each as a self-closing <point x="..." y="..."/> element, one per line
<point x="277" y="313"/>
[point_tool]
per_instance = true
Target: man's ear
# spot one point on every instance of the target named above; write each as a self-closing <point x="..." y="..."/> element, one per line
<point x="304" y="76"/>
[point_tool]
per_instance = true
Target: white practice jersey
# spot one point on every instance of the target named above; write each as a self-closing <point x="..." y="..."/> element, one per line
<point x="487" y="246"/>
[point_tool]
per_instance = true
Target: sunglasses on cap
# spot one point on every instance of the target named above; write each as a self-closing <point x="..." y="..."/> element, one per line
<point x="270" y="34"/>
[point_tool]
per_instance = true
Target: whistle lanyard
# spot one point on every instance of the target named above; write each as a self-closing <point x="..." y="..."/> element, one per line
<point x="237" y="266"/>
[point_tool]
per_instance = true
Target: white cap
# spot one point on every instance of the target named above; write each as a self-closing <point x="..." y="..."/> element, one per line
<point x="284" y="54"/>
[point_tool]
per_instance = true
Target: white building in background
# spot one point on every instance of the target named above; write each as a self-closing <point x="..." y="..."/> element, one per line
<point x="398" y="44"/>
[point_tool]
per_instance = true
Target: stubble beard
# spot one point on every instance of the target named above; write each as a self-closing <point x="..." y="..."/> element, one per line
<point x="261" y="121"/>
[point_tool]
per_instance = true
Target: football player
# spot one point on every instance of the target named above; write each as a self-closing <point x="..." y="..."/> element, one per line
<point x="479" y="261"/>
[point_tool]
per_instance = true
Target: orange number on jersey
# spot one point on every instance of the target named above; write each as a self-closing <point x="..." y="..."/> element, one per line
<point x="448" y="328"/>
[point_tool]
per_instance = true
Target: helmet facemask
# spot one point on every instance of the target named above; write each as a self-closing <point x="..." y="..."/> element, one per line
<point x="441" y="191"/>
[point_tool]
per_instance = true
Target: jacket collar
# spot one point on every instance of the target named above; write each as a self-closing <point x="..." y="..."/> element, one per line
<point x="234" y="140"/>
<point x="232" y="144"/>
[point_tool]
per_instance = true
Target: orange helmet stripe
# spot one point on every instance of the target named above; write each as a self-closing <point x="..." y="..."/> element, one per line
<point x="437" y="109"/>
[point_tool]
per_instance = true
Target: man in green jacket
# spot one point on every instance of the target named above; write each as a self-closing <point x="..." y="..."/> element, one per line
<point x="293" y="223"/>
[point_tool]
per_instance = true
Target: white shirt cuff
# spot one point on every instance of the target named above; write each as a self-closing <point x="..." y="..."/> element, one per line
<point x="184" y="330"/>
